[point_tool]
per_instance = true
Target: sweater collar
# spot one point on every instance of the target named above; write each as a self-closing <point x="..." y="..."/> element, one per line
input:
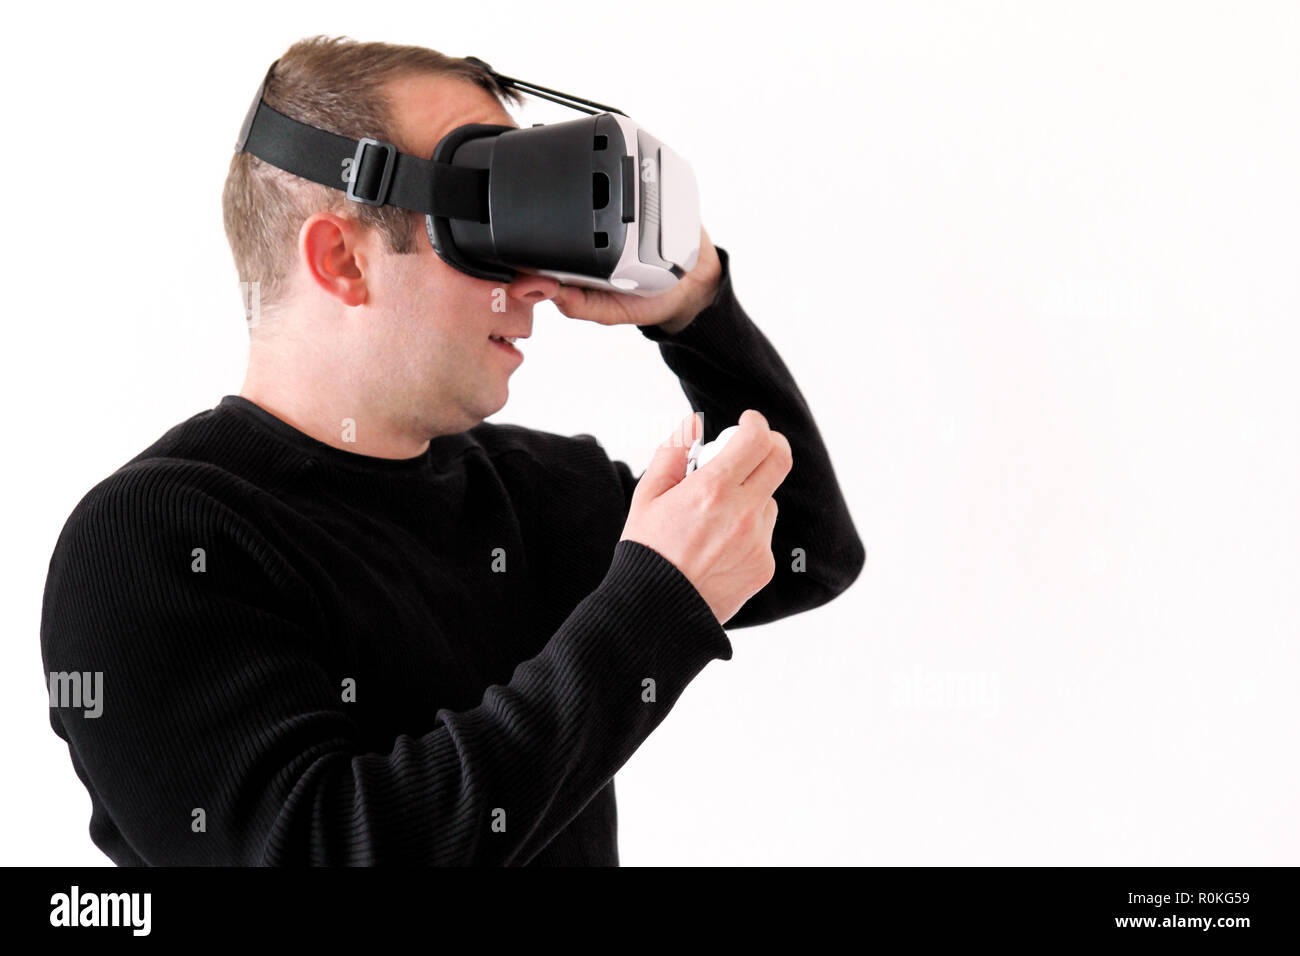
<point x="439" y="448"/>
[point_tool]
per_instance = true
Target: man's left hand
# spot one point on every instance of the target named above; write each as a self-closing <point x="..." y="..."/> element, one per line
<point x="673" y="310"/>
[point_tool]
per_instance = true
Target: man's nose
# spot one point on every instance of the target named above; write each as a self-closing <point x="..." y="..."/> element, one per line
<point x="533" y="288"/>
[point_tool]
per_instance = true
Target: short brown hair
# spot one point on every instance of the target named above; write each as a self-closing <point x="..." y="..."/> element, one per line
<point x="337" y="84"/>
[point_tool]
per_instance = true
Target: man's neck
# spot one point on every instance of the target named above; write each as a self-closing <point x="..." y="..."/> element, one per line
<point x="333" y="419"/>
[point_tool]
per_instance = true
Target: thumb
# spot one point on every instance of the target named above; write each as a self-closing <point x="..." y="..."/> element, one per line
<point x="668" y="466"/>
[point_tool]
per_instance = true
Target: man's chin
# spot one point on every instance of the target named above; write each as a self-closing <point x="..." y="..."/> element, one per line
<point x="493" y="404"/>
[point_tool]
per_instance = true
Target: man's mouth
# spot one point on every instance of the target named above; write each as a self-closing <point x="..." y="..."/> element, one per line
<point x="507" y="344"/>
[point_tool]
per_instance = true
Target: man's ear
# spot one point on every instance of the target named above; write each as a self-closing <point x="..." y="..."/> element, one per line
<point x="333" y="250"/>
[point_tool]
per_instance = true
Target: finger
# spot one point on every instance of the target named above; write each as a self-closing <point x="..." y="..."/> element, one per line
<point x="772" y="470"/>
<point x="746" y="450"/>
<point x="668" y="466"/>
<point x="570" y="299"/>
<point x="688" y="429"/>
<point x="591" y="305"/>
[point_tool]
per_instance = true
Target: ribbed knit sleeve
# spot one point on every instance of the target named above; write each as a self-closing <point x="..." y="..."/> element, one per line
<point x="222" y="739"/>
<point x="725" y="365"/>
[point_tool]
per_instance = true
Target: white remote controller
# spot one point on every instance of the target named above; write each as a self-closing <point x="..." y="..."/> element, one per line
<point x="700" y="455"/>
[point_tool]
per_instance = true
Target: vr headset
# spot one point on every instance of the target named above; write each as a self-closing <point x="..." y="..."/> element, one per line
<point x="596" y="202"/>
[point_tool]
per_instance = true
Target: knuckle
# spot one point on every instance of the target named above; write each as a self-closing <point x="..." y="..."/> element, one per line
<point x="758" y="419"/>
<point x="711" y="494"/>
<point x="781" y="451"/>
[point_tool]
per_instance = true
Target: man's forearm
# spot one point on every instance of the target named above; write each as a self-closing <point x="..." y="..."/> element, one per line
<point x="725" y="365"/>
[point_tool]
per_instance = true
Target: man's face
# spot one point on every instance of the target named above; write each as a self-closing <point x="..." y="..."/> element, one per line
<point x="427" y="326"/>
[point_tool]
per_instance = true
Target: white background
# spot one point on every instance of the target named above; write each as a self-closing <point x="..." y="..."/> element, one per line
<point x="1036" y="268"/>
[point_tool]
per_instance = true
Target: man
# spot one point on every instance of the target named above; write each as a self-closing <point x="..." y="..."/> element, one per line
<point x="341" y="619"/>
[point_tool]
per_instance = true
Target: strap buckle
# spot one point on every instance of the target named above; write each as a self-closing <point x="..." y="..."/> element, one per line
<point x="361" y="174"/>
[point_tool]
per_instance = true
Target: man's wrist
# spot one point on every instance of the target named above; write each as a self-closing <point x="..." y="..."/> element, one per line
<point x="677" y="323"/>
<point x="698" y="304"/>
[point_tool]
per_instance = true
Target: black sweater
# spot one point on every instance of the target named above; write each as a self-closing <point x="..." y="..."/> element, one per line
<point x="438" y="660"/>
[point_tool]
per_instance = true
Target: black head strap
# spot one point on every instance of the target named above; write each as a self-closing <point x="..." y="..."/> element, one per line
<point x="370" y="171"/>
<point x="374" y="172"/>
<point x="555" y="96"/>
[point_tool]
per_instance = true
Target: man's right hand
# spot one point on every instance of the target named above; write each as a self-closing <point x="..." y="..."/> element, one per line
<point x="714" y="525"/>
